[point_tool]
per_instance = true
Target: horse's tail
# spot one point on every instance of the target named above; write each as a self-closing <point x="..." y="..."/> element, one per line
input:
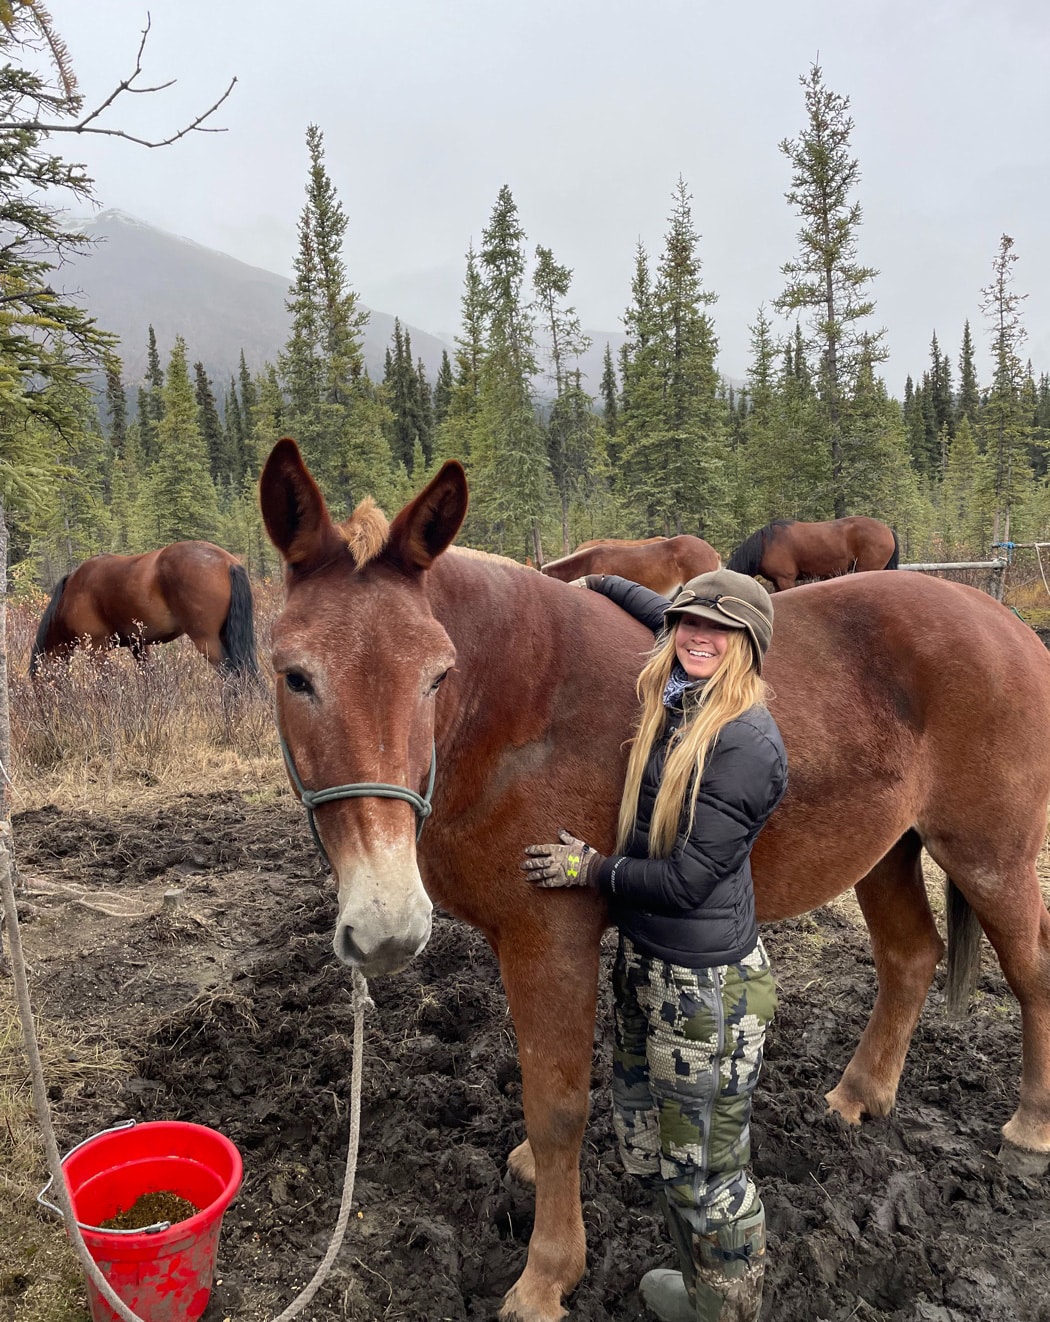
<point x="237" y="634"/>
<point x="964" y="950"/>
<point x="747" y="558"/>
<point x="44" y="628"/>
<point x="895" y="559"/>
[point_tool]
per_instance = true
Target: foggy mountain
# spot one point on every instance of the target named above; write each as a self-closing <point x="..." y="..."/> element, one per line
<point x="135" y="276"/>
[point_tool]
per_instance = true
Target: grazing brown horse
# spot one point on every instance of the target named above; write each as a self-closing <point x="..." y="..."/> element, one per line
<point x="192" y="588"/>
<point x="788" y="552"/>
<point x="660" y="563"/>
<point x="915" y="713"/>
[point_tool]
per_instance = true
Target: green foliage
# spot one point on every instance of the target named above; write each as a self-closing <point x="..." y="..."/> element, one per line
<point x="671" y="429"/>
<point x="825" y="279"/>
<point x="179" y="501"/>
<point x="407" y="396"/>
<point x="48" y="344"/>
<point x="668" y="446"/>
<point x="1003" y="425"/>
<point x="509" y="468"/>
<point x="322" y="367"/>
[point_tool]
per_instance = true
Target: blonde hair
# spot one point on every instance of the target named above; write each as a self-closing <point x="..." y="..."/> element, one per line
<point x="735" y="687"/>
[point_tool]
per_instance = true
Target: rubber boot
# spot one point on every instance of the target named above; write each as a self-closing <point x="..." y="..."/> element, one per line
<point x="666" y="1293"/>
<point x="730" y="1265"/>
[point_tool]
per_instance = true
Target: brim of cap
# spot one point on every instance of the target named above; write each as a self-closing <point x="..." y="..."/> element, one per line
<point x="705" y="613"/>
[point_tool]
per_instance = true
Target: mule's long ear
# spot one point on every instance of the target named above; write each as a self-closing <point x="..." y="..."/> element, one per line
<point x="427" y="525"/>
<point x="293" y="509"/>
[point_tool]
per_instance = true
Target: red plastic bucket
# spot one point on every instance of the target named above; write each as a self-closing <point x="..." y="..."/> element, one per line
<point x="162" y="1275"/>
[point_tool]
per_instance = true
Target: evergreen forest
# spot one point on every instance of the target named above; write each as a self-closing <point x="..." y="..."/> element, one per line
<point x="91" y="461"/>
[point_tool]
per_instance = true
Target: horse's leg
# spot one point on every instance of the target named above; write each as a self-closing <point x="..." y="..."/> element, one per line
<point x="552" y="991"/>
<point x="210" y="647"/>
<point x="1012" y="912"/>
<point x="906" y="947"/>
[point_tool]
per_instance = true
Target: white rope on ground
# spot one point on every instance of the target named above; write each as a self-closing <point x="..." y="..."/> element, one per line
<point x="361" y="1002"/>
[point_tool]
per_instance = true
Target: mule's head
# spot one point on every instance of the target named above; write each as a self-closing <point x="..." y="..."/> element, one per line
<point x="359" y="658"/>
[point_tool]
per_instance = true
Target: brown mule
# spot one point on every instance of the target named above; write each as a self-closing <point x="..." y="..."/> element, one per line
<point x="660" y="563"/>
<point x="915" y="713"/>
<point x="788" y="552"/>
<point x="192" y="588"/>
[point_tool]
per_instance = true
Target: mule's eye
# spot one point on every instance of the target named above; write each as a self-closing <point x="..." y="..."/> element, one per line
<point x="439" y="681"/>
<point x="297" y="682"/>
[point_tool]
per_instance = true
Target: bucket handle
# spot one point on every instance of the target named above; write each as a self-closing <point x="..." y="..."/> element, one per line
<point x="144" y="1230"/>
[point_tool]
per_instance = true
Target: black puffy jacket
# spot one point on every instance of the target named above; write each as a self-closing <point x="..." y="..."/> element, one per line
<point x="696" y="907"/>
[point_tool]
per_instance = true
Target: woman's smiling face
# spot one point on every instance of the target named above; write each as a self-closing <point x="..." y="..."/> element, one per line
<point x="700" y="645"/>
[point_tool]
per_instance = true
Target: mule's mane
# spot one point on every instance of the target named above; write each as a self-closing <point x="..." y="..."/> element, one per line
<point x="365" y="531"/>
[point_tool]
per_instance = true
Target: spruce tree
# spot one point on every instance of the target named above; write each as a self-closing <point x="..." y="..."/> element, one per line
<point x="235" y="429"/>
<point x="571" y="431"/>
<point x="825" y="279"/>
<point x="249" y="397"/>
<point x="425" y="396"/>
<point x="941" y="399"/>
<point x="332" y="409"/>
<point x="509" y="460"/>
<point x="116" y="408"/>
<point x="151" y="400"/>
<point x="673" y="441"/>
<point x="1002" y="421"/>
<point x="966" y="505"/>
<point x="609" y="392"/>
<point x="443" y="387"/>
<point x="181" y="494"/>
<point x="633" y="455"/>
<point x="404" y="397"/>
<point x="221" y="462"/>
<point x="968" y="404"/>
<point x="455" y="434"/>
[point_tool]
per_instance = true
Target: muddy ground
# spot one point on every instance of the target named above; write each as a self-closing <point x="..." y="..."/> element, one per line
<point x="232" y="1012"/>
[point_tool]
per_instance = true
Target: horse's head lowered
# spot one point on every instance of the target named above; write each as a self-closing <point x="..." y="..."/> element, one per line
<point x="359" y="658"/>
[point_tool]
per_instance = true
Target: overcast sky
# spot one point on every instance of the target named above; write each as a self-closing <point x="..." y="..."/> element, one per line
<point x="590" y="110"/>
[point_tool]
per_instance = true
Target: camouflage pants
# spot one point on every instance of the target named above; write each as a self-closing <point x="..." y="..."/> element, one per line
<point x="687" y="1058"/>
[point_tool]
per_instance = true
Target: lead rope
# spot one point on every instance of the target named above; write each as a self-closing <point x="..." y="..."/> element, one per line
<point x="361" y="1002"/>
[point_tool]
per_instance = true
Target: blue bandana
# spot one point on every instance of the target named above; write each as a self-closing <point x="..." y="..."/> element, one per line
<point x="678" y="684"/>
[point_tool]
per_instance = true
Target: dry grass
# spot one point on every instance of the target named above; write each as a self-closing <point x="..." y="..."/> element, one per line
<point x="104" y="731"/>
<point x="37" y="1268"/>
<point x="103" y="728"/>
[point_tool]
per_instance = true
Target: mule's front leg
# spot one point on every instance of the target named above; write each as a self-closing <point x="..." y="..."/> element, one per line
<point x="552" y="990"/>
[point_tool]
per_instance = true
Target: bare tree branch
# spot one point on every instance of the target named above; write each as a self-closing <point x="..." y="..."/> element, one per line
<point x="86" y="124"/>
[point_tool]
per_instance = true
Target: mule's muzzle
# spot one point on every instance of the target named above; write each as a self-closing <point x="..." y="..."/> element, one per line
<point x="374" y="959"/>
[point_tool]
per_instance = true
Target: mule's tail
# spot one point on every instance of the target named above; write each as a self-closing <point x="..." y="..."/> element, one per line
<point x="964" y="951"/>
<point x="895" y="559"/>
<point x="237" y="634"/>
<point x="44" y="628"/>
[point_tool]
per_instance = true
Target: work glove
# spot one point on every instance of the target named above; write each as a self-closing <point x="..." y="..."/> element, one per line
<point x="587" y="581"/>
<point x="569" y="863"/>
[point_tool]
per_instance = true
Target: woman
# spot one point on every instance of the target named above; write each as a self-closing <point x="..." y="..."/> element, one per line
<point x="692" y="984"/>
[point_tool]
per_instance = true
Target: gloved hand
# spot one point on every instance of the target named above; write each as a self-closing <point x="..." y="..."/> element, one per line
<point x="587" y="581"/>
<point x="570" y="863"/>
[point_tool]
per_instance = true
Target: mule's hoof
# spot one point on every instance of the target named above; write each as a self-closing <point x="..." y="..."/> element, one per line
<point x="523" y="1305"/>
<point x="522" y="1164"/>
<point x="844" y="1107"/>
<point x="1022" y="1162"/>
<point x="844" y="1102"/>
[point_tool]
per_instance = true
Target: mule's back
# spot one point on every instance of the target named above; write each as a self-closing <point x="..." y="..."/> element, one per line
<point x="661" y="564"/>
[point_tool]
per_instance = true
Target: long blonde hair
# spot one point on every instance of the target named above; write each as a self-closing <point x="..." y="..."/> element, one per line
<point x="735" y="687"/>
